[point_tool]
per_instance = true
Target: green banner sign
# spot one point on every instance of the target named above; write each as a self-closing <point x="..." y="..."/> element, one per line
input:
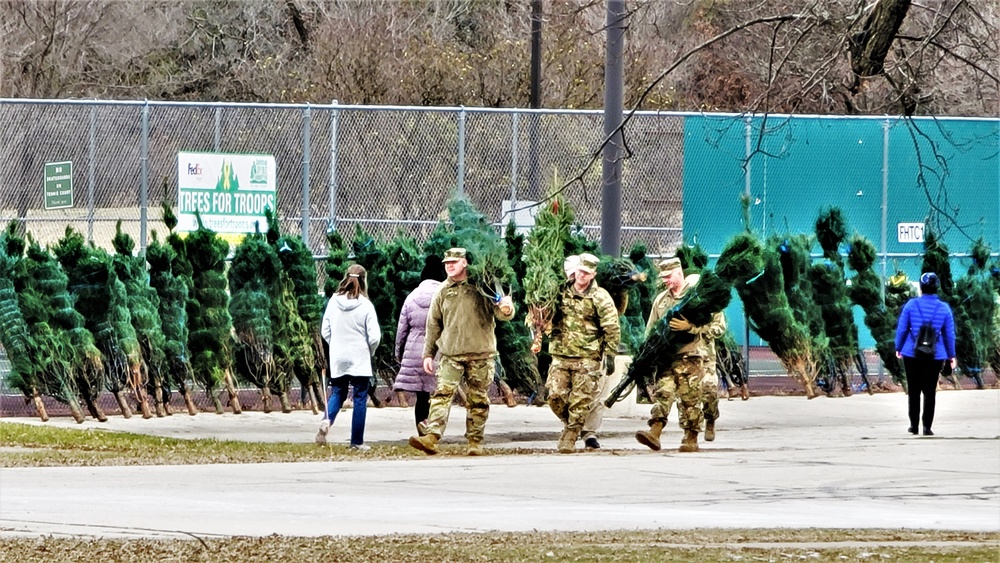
<point x="58" y="185"/>
<point x="228" y="191"/>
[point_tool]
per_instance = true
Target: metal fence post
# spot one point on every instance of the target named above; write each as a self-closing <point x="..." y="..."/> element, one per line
<point x="218" y="127"/>
<point x="513" y="163"/>
<point x="331" y="220"/>
<point x="92" y="152"/>
<point x="614" y="138"/>
<point x="306" y="153"/>
<point x="885" y="221"/>
<point x="747" y="131"/>
<point x="144" y="185"/>
<point x="461" y="152"/>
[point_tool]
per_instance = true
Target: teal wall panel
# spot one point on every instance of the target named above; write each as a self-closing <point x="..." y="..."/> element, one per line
<point x="801" y="165"/>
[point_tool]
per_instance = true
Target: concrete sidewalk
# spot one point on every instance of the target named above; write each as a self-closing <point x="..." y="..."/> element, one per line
<point x="777" y="462"/>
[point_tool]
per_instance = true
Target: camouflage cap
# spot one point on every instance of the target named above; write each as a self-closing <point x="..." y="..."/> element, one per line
<point x="665" y="266"/>
<point x="588" y="263"/>
<point x="453" y="255"/>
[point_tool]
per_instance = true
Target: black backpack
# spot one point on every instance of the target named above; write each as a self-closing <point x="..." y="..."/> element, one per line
<point x="926" y="339"/>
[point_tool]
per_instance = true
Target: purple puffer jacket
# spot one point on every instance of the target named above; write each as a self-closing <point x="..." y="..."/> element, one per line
<point x="410" y="335"/>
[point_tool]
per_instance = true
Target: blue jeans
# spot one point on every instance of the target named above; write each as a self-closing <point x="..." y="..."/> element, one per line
<point x="338" y="394"/>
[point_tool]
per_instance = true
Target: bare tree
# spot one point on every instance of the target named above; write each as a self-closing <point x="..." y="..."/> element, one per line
<point x="814" y="56"/>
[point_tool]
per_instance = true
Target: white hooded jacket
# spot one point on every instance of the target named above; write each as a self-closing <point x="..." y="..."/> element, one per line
<point x="351" y="328"/>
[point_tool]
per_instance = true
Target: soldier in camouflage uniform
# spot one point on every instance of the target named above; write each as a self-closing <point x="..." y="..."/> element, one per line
<point x="708" y="389"/>
<point x="684" y="379"/>
<point x="460" y="325"/>
<point x="585" y="331"/>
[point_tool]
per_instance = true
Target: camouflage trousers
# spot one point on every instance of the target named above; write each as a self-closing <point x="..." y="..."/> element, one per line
<point x="708" y="390"/>
<point x="452" y="371"/>
<point x="572" y="383"/>
<point x="682" y="384"/>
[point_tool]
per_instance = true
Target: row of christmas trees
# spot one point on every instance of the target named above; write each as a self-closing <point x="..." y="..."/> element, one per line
<point x="803" y="307"/>
<point x="76" y="320"/>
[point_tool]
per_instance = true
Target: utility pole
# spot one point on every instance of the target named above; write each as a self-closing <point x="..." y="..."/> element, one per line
<point x="611" y="161"/>
<point x="534" y="101"/>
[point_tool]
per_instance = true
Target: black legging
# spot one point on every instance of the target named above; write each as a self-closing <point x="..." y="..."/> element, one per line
<point x="921" y="377"/>
<point x="423" y="406"/>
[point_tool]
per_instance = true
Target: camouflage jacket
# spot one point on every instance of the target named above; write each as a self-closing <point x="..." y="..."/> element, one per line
<point x="704" y="342"/>
<point x="585" y="324"/>
<point x="460" y="322"/>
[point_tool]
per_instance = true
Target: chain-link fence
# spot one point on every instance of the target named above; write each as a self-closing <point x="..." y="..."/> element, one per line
<point x="385" y="168"/>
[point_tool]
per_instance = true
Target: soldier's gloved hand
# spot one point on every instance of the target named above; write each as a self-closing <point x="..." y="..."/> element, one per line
<point x="680" y="324"/>
<point x="609" y="364"/>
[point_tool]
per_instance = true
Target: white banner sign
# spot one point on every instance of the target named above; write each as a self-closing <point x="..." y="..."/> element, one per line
<point x="910" y="232"/>
<point x="229" y="191"/>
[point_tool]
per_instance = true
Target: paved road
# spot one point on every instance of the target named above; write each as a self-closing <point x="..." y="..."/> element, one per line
<point x="778" y="462"/>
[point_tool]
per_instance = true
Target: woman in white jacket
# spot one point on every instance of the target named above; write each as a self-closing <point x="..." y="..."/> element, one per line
<point x="351" y="328"/>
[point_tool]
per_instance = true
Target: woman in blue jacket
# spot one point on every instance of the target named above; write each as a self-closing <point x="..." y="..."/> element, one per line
<point x="922" y="369"/>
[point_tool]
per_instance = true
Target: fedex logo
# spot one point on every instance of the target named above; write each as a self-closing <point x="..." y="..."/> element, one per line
<point x="194" y="169"/>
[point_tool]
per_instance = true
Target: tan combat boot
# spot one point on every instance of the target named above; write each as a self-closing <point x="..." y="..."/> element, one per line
<point x="744" y="392"/>
<point x="650" y="437"/>
<point x="475" y="448"/>
<point x="690" y="441"/>
<point x="567" y="442"/>
<point x="427" y="443"/>
<point x="709" y="430"/>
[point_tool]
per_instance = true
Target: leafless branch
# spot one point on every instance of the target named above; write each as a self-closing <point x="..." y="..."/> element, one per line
<point x="596" y="155"/>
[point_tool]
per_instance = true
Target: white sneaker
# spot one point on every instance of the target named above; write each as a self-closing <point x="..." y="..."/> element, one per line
<point x="361" y="448"/>
<point x="324" y="427"/>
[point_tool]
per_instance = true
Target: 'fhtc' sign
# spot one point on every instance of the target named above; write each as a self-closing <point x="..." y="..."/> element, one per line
<point x="910" y="232"/>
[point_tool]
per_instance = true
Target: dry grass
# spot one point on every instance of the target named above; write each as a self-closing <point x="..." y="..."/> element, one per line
<point x="29" y="445"/>
<point x="663" y="545"/>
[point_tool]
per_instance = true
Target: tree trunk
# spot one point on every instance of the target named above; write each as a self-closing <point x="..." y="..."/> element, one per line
<point x="139" y="390"/>
<point x="286" y="407"/>
<point x="507" y="392"/>
<point x="75" y="410"/>
<point x="123" y="404"/>
<point x="40" y="406"/>
<point x="94" y="408"/>
<point x="158" y="399"/>
<point x="216" y="402"/>
<point x="265" y="399"/>
<point x="460" y="396"/>
<point x="140" y="397"/>
<point x="401" y="399"/>
<point x="314" y="397"/>
<point x="167" y="395"/>
<point x="234" y="400"/>
<point x="73" y="402"/>
<point x="870" y="46"/>
<point x="186" y="393"/>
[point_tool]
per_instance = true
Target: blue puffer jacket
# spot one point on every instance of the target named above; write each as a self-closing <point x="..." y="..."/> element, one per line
<point x="915" y="313"/>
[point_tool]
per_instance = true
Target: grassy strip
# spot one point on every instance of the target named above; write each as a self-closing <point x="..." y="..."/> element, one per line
<point x="29" y="445"/>
<point x="663" y="545"/>
<point x="39" y="446"/>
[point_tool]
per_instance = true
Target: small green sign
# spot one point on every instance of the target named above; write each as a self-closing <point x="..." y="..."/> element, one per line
<point x="58" y="185"/>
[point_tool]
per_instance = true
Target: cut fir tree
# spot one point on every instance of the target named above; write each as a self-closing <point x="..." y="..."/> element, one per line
<point x="544" y="276"/>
